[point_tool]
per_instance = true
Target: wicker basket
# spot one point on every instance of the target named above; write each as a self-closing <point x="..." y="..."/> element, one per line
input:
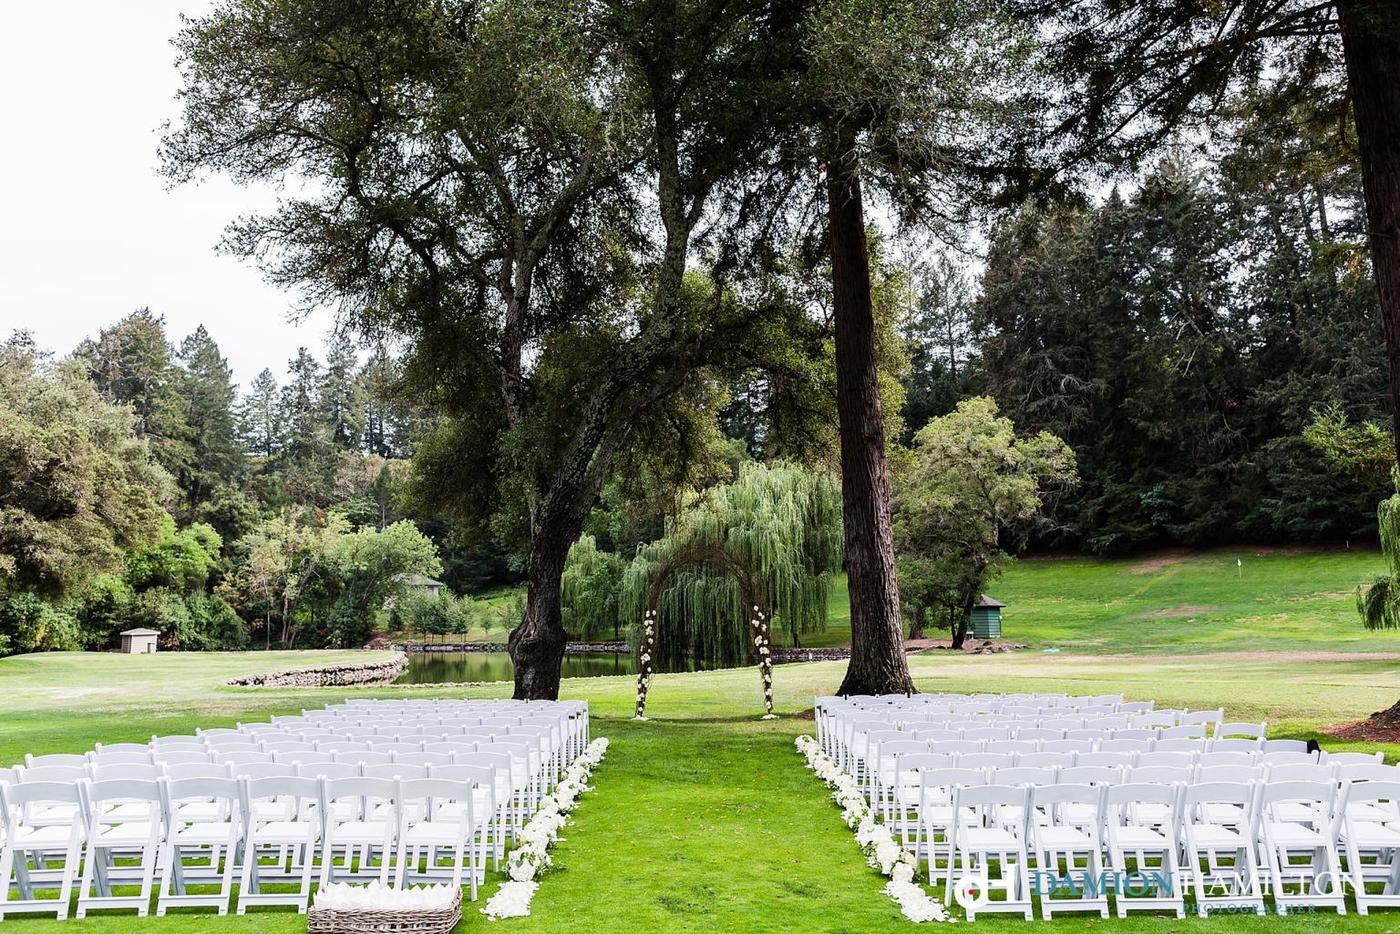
<point x="385" y="921"/>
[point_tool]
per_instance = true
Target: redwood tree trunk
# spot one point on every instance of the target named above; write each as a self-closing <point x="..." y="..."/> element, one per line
<point x="537" y="645"/>
<point x="877" y="665"/>
<point x="1371" y="44"/>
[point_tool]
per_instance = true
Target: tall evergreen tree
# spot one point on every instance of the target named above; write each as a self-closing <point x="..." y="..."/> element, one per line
<point x="209" y="397"/>
<point x="131" y="364"/>
<point x="342" y="396"/>
<point x="260" y="425"/>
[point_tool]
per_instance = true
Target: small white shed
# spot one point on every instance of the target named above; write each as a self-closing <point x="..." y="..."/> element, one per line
<point x="139" y="641"/>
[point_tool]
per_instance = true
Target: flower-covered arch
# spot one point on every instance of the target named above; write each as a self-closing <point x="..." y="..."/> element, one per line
<point x="707" y="557"/>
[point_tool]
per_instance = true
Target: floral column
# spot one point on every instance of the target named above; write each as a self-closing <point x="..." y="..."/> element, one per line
<point x="648" y="646"/>
<point x="765" y="661"/>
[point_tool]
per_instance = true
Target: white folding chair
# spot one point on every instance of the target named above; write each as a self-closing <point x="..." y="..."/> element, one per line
<point x="979" y="840"/>
<point x="374" y="839"/>
<point x="1296" y="819"/>
<point x="203" y="819"/>
<point x="1372" y="846"/>
<point x="1220" y="853"/>
<point x="107" y="834"/>
<point x="1068" y="852"/>
<point x="281" y="850"/>
<point x="936" y="814"/>
<point x="1140" y="821"/>
<point x="451" y="821"/>
<point x="61" y="759"/>
<point x="43" y="843"/>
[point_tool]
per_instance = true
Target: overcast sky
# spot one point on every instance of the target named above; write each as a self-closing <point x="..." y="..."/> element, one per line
<point x="88" y="231"/>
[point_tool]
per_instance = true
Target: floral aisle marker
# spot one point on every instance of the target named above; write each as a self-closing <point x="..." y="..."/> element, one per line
<point x="765" y="662"/>
<point x="530" y="858"/>
<point x="648" y="650"/>
<point x="881" y="849"/>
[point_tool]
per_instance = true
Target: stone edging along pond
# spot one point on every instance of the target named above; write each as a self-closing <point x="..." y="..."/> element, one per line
<point x="329" y="676"/>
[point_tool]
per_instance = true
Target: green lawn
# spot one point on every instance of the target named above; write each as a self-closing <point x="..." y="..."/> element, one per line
<point x="1275" y="601"/>
<point x="705" y="818"/>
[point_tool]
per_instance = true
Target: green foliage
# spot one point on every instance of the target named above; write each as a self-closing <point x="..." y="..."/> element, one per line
<point x="778" y="524"/>
<point x="1364" y="450"/>
<point x="30" y="624"/>
<point x="439" y="614"/>
<point x="964" y="500"/>
<point x="77" y="486"/>
<point x="590" y="592"/>
<point x="181" y="560"/>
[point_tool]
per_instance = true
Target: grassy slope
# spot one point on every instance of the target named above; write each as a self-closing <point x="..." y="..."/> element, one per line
<point x="704" y="819"/>
<point x="1303" y="601"/>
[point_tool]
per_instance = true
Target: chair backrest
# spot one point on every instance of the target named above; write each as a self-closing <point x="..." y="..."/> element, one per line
<point x="185" y="770"/>
<point x="279" y="786"/>
<point x="1236" y="774"/>
<point x="121" y="758"/>
<point x="1299" y="772"/>
<point x="1120" y="760"/>
<point x="1039" y="734"/>
<point x="104" y="748"/>
<point x="1176" y="760"/>
<point x="1288" y="758"/>
<point x="1215" y="792"/>
<point x="938" y="735"/>
<point x="985" y="802"/>
<point x="1203" y="716"/>
<point x="183" y="739"/>
<point x="256" y="770"/>
<point x="139" y="771"/>
<point x="1185" y="731"/>
<point x="121" y="789"/>
<point x="1160" y="775"/>
<point x="39" y="792"/>
<point x="392" y="770"/>
<point x="1355" y="758"/>
<point x="424" y="758"/>
<point x="986" y="760"/>
<point x="242" y="757"/>
<point x="448" y="747"/>
<point x="199" y="788"/>
<point x="1019" y="775"/>
<point x="1067" y="745"/>
<point x="938" y="781"/>
<point x="1229" y="728"/>
<point x="1168" y="744"/>
<point x="1284" y="745"/>
<point x="170" y="757"/>
<point x="328" y="770"/>
<point x="1050" y="798"/>
<point x="1225" y="758"/>
<point x="1122" y="806"/>
<point x="1366" y="772"/>
<point x="1091" y="775"/>
<point x="1122" y="743"/>
<point x="988" y="734"/>
<point x="1371" y="791"/>
<point x="365" y="758"/>
<point x="53" y="773"/>
<point x="1318" y="796"/>
<point x="67" y="759"/>
<point x="1046" y="760"/>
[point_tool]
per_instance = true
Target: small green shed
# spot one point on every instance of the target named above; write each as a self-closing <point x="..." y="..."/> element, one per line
<point x="986" y="618"/>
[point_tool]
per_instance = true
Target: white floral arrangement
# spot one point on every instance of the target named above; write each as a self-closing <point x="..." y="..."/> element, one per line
<point x="530" y="857"/>
<point x="765" y="661"/>
<point x="882" y="851"/>
<point x="344" y="896"/>
<point x="648" y="646"/>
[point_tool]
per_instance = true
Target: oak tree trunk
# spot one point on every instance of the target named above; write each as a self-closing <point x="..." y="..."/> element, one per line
<point x="1371" y="46"/>
<point x="878" y="664"/>
<point x="536" y="646"/>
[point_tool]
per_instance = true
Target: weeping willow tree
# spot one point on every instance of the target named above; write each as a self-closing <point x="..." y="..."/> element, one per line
<point x="1379" y="601"/>
<point x="770" y="539"/>
<point x="589" y="590"/>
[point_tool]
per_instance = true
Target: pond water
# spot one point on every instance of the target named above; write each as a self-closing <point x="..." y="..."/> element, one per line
<point x="442" y="667"/>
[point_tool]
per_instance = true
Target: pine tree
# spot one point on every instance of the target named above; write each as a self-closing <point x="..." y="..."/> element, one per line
<point x="342" y="397"/>
<point x="260" y="425"/>
<point x="209" y="411"/>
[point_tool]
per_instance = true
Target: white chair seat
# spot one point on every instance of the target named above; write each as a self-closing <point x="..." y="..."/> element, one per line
<point x="1368" y="835"/>
<point x="1290" y="834"/>
<point x="273" y="809"/>
<point x="1136" y="836"/>
<point x="1371" y="813"/>
<point x="1296" y="812"/>
<point x="199" y="811"/>
<point x="1223" y="813"/>
<point x="277" y="833"/>
<point x="433" y="833"/>
<point x="360" y="831"/>
<point x="130" y="811"/>
<point x="132" y="833"/>
<point x="50" y="835"/>
<point x="52" y="814"/>
<point x="1215" y="835"/>
<point x="1058" y="836"/>
<point x="989" y="838"/>
<point x="203" y="832"/>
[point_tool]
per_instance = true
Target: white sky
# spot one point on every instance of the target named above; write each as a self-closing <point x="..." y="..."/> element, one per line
<point x="88" y="231"/>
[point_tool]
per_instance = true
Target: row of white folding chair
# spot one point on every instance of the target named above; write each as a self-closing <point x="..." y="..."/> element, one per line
<point x="1161" y="835"/>
<point x="878" y="744"/>
<point x="133" y="817"/>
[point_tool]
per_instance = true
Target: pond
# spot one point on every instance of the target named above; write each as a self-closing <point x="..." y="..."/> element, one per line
<point x="442" y="667"/>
